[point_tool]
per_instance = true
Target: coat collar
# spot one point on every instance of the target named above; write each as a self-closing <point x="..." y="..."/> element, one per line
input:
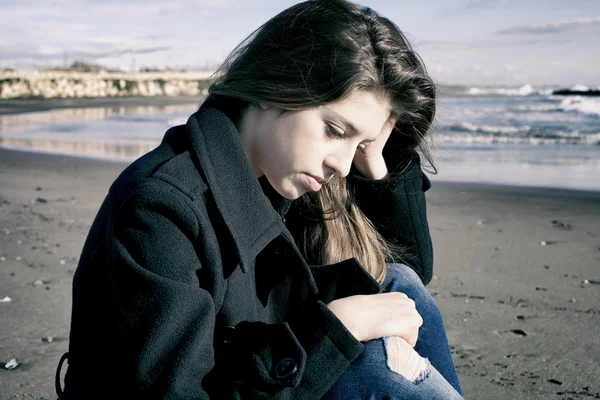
<point x="250" y="208"/>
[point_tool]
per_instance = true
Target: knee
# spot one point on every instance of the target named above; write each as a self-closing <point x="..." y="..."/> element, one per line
<point x="401" y="278"/>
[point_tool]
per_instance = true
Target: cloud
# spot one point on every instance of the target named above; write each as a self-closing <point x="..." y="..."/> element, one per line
<point x="455" y="45"/>
<point x="108" y="28"/>
<point x="54" y="53"/>
<point x="483" y="3"/>
<point x="459" y="10"/>
<point x="551" y="27"/>
<point x="122" y="9"/>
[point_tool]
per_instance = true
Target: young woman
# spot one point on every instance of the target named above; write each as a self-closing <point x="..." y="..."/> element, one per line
<point x="194" y="281"/>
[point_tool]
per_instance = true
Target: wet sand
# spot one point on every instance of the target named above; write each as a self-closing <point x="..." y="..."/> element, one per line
<point x="517" y="277"/>
<point x="17" y="106"/>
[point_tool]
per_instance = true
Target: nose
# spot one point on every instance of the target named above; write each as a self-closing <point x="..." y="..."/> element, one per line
<point x="341" y="162"/>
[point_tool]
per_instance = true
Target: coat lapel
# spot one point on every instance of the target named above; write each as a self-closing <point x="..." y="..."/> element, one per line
<point x="250" y="216"/>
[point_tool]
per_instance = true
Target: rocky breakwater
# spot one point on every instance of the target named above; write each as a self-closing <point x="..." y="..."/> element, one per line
<point x="64" y="84"/>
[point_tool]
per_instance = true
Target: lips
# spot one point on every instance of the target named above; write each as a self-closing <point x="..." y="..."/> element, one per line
<point x="320" y="180"/>
<point x="313" y="183"/>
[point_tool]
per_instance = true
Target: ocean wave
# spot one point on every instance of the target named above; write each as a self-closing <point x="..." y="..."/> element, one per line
<point x="556" y="138"/>
<point x="489" y="129"/>
<point x="582" y="105"/>
<point x="178" y="121"/>
<point x="525" y="90"/>
<point x="537" y="108"/>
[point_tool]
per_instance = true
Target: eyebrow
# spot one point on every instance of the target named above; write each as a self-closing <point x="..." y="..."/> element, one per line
<point x="352" y="127"/>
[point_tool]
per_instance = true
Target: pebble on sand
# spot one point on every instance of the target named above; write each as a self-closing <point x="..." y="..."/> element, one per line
<point x="543" y="243"/>
<point x="38" y="283"/>
<point x="561" y="225"/>
<point x="48" y="339"/>
<point x="519" y="332"/>
<point x="5" y="300"/>
<point x="12" y="364"/>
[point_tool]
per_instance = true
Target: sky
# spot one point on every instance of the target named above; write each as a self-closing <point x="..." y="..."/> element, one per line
<point x="511" y="42"/>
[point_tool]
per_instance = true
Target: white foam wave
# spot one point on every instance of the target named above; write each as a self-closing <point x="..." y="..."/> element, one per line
<point x="584" y="105"/>
<point x="569" y="138"/>
<point x="177" y="121"/>
<point x="580" y="88"/>
<point x="525" y="90"/>
<point x="546" y="92"/>
<point x="540" y="107"/>
<point x="490" y="129"/>
<point x="580" y="104"/>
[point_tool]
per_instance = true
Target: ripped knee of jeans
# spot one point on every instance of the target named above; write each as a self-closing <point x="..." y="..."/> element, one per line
<point x="404" y="360"/>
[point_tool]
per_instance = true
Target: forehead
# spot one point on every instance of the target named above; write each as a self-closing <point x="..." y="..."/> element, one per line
<point x="370" y="114"/>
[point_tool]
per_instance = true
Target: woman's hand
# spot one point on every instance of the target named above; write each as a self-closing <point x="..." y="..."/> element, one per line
<point x="369" y="159"/>
<point x="374" y="316"/>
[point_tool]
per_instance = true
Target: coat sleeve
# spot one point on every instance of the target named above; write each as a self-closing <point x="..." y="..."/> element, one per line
<point x="396" y="206"/>
<point x="172" y="348"/>
<point x="297" y="359"/>
<point x="165" y="320"/>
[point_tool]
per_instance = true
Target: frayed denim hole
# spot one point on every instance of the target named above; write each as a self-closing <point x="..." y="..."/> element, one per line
<point x="422" y="375"/>
<point x="387" y="357"/>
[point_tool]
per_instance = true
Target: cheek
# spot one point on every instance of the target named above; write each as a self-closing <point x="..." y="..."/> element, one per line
<point x="279" y="153"/>
<point x="296" y="145"/>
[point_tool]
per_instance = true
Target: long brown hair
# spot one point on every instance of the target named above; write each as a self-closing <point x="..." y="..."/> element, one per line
<point x="317" y="52"/>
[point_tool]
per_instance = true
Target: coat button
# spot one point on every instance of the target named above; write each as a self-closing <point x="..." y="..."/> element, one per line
<point x="286" y="368"/>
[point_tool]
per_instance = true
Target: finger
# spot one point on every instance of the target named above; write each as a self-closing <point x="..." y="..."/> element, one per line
<point x="412" y="340"/>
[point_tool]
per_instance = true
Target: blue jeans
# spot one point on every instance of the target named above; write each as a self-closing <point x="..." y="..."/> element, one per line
<point x="369" y="377"/>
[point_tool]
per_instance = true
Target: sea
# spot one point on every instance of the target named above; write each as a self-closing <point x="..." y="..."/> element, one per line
<point x="510" y="135"/>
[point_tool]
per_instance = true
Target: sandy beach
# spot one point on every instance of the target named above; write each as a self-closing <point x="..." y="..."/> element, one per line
<point x="517" y="277"/>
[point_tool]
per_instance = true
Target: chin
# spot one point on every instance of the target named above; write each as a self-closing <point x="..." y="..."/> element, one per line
<point x="290" y="194"/>
<point x="288" y="190"/>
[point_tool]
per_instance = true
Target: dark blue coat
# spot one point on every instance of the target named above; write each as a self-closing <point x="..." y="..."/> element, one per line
<point x="190" y="286"/>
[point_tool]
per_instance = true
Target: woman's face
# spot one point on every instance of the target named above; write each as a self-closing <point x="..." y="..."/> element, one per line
<point x="297" y="149"/>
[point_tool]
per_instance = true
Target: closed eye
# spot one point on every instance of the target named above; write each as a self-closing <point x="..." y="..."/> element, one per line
<point x="331" y="132"/>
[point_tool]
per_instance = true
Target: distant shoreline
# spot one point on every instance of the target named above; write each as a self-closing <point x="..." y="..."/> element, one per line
<point x="18" y="106"/>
